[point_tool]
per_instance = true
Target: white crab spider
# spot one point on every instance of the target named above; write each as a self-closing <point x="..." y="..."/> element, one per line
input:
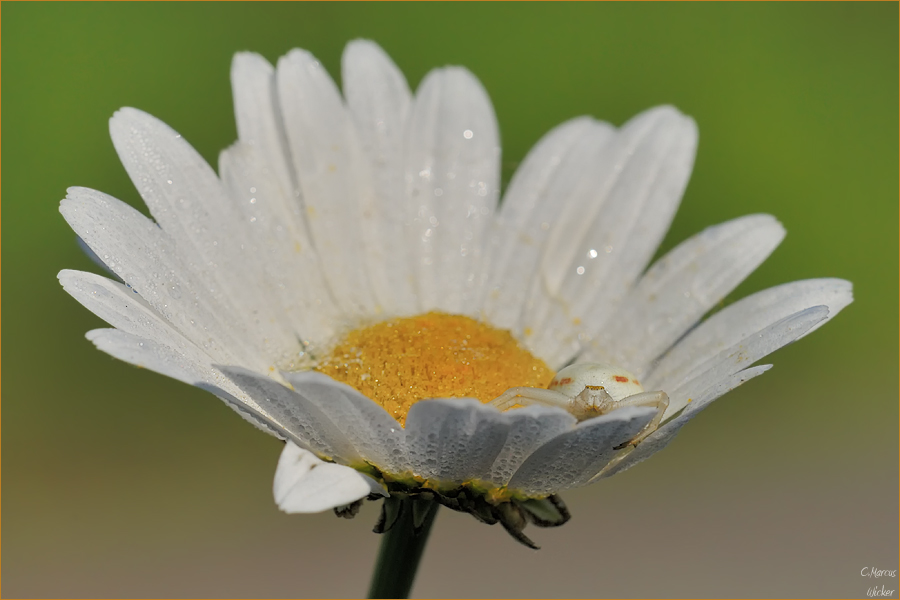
<point x="588" y="390"/>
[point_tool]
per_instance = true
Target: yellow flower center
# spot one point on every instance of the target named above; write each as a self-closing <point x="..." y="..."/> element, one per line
<point x="436" y="355"/>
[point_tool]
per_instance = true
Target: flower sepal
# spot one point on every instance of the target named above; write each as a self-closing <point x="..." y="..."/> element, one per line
<point x="512" y="513"/>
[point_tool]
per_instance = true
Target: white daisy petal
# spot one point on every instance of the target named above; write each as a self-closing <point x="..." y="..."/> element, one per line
<point x="121" y="307"/>
<point x="159" y="357"/>
<point x="265" y="173"/>
<point x="261" y="179"/>
<point x="741" y="319"/>
<point x="453" y="178"/>
<point x="377" y="436"/>
<point x="379" y="100"/>
<point x="259" y="124"/>
<point x="597" y="251"/>
<point x="306" y="484"/>
<point x="94" y="258"/>
<point x="328" y="162"/>
<point x="290" y="263"/>
<point x="126" y="311"/>
<point x="454" y="440"/>
<point x="529" y="428"/>
<point x="143" y="255"/>
<point x="736" y="358"/>
<point x="680" y="288"/>
<point x="571" y="459"/>
<point x="188" y="201"/>
<point x="296" y="416"/>
<point x="660" y="438"/>
<point x="560" y="169"/>
<point x="143" y="353"/>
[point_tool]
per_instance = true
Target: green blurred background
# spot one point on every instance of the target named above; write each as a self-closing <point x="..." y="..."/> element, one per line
<point x="120" y="482"/>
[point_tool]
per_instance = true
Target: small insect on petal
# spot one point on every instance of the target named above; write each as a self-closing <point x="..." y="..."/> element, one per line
<point x="617" y="382"/>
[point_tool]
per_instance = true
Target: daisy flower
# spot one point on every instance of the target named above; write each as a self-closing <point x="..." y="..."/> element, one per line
<point x="350" y="282"/>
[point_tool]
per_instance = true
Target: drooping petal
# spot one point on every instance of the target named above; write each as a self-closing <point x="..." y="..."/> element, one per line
<point x="335" y="183"/>
<point x="559" y="170"/>
<point x="94" y="258"/>
<point x="529" y="428"/>
<point x="126" y="310"/>
<point x="143" y="353"/>
<point x="453" y="180"/>
<point x="189" y="203"/>
<point x="741" y="320"/>
<point x="161" y="358"/>
<point x="662" y="436"/>
<point x="597" y="250"/>
<point x="145" y="257"/>
<point x="295" y="416"/>
<point x="454" y="440"/>
<point x="377" y="436"/>
<point x="682" y="286"/>
<point x="572" y="458"/>
<point x="736" y="358"/>
<point x="709" y="378"/>
<point x="123" y="308"/>
<point x="306" y="484"/>
<point x="379" y="100"/>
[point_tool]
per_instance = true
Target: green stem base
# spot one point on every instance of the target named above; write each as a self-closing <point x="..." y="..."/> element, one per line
<point x="402" y="547"/>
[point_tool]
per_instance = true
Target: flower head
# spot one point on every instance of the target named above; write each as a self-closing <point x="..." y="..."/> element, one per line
<point x="350" y="282"/>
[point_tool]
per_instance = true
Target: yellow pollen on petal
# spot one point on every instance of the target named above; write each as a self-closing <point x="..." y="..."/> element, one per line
<point x="398" y="362"/>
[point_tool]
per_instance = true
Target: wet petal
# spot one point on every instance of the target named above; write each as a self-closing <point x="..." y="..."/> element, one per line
<point x="189" y="203"/>
<point x="335" y="183"/>
<point x="560" y="170"/>
<point x="163" y="359"/>
<point x="680" y="287"/>
<point x="597" y="251"/>
<point x="572" y="458"/>
<point x="453" y="440"/>
<point x="379" y="101"/>
<point x="146" y="258"/>
<point x="529" y="428"/>
<point x="736" y="358"/>
<point x="744" y="318"/>
<point x="296" y="417"/>
<point x="453" y="183"/>
<point x="290" y="264"/>
<point x="377" y="436"/>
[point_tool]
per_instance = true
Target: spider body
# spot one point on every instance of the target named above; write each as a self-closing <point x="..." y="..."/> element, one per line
<point x="588" y="390"/>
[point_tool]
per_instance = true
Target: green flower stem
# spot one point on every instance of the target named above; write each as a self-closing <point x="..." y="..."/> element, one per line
<point x="401" y="548"/>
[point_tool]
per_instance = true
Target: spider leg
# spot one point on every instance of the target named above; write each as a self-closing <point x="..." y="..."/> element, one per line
<point x="529" y="395"/>
<point x="658" y="400"/>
